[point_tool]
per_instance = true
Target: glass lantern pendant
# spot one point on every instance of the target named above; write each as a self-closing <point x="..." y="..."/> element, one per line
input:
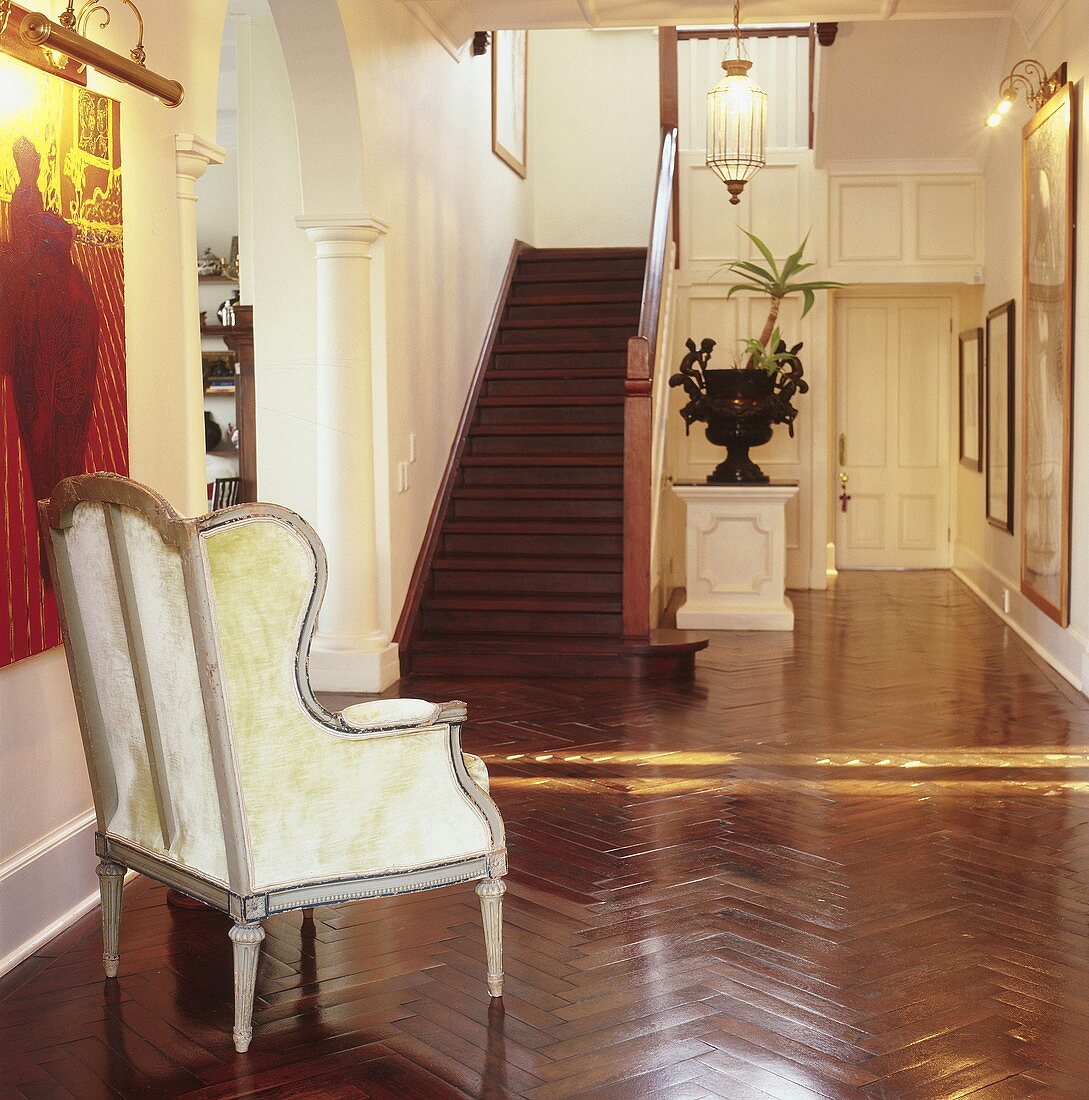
<point x="737" y="111"/>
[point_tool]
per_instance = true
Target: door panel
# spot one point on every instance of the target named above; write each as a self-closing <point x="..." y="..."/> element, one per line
<point x="892" y="364"/>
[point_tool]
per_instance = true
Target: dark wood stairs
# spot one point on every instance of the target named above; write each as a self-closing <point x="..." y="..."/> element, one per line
<point x="522" y="570"/>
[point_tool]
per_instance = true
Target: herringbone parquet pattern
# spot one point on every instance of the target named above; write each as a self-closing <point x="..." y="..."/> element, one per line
<point x="849" y="863"/>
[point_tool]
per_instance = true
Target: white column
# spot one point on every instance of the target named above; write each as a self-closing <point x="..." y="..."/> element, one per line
<point x="351" y="651"/>
<point x="192" y="155"/>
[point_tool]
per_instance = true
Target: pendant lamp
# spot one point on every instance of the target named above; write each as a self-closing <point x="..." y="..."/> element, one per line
<point x="736" y="121"/>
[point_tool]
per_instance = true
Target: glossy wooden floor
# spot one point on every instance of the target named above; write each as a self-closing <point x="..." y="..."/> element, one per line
<point x="849" y="863"/>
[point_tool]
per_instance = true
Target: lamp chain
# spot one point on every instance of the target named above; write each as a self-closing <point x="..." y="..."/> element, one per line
<point x="737" y="26"/>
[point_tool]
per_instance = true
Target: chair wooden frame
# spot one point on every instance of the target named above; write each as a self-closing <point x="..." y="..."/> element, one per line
<point x="244" y="904"/>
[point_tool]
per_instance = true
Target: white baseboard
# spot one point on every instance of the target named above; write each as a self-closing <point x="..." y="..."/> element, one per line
<point x="1065" y="650"/>
<point x="45" y="888"/>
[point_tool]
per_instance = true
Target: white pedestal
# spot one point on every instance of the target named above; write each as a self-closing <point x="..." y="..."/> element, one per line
<point x="736" y="557"/>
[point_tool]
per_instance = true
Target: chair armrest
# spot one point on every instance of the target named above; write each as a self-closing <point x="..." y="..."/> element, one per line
<point x="384" y="716"/>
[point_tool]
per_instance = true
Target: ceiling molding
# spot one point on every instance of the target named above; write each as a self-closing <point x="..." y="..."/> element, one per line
<point x="951" y="166"/>
<point x="1035" y="16"/>
<point x="453" y="29"/>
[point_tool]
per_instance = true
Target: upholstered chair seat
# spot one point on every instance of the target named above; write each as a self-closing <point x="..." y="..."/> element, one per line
<point x="213" y="767"/>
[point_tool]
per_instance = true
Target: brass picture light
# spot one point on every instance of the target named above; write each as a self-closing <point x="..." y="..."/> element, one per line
<point x="67" y="39"/>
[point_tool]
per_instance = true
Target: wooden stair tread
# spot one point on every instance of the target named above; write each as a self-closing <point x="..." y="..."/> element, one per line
<point x="571" y="322"/>
<point x="571" y="298"/>
<point x="544" y="255"/>
<point x="685" y="641"/>
<point x="534" y="527"/>
<point x="537" y="492"/>
<point x="549" y="400"/>
<point x="540" y="428"/>
<point x="562" y="563"/>
<point x="560" y="349"/>
<point x="590" y="603"/>
<point x="543" y="460"/>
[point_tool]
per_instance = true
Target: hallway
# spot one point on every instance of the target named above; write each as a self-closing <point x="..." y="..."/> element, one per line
<point x="848" y="862"/>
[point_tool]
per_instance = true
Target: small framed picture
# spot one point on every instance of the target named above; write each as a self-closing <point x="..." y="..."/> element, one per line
<point x="1001" y="433"/>
<point x="971" y="399"/>
<point x="218" y="368"/>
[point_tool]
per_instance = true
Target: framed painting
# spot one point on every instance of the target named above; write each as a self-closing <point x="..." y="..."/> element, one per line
<point x="999" y="400"/>
<point x="509" y="76"/>
<point x="1048" y="164"/>
<point x="971" y="398"/>
<point x="62" y="320"/>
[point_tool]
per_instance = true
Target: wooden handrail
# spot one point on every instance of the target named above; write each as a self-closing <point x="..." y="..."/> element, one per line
<point x="638" y="407"/>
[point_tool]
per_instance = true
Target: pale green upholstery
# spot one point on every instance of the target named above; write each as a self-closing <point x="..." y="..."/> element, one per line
<point x="213" y="767"/>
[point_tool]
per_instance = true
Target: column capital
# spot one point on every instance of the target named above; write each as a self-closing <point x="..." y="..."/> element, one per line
<point x="344" y="236"/>
<point x="192" y="154"/>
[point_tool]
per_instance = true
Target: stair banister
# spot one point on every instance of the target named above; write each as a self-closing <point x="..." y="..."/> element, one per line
<point x="644" y="354"/>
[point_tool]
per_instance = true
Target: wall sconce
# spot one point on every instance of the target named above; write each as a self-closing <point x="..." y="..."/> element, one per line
<point x="66" y="39"/>
<point x="1032" y="78"/>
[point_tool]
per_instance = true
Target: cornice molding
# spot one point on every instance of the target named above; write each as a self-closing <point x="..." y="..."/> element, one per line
<point x="1035" y="16"/>
<point x="447" y="21"/>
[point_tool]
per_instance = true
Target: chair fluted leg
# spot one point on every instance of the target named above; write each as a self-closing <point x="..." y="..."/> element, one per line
<point x="491" y="892"/>
<point x="111" y="877"/>
<point x="247" y="938"/>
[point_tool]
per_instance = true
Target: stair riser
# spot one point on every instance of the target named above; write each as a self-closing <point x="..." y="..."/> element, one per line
<point x="627" y="284"/>
<point x="601" y="360"/>
<point x="631" y="267"/>
<point x="448" y="581"/>
<point x="539" y="509"/>
<point x="546" y="444"/>
<point x="544" y="475"/>
<point x="519" y="622"/>
<point x="552" y="414"/>
<point x="613" y="311"/>
<point x="492" y="542"/>
<point x="590" y="336"/>
<point x="553" y="387"/>
<point x="462" y="662"/>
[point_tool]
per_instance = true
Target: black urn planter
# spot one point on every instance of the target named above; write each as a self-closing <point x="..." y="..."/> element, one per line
<point x="740" y="407"/>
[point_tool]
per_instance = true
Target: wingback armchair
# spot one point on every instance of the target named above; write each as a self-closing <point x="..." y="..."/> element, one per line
<point x="213" y="767"/>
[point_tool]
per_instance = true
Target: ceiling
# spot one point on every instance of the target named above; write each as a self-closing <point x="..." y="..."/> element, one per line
<point x="453" y="21"/>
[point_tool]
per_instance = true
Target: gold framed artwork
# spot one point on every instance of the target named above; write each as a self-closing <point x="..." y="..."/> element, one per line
<point x="509" y="82"/>
<point x="1048" y="164"/>
<point x="971" y="398"/>
<point x="1000" y="378"/>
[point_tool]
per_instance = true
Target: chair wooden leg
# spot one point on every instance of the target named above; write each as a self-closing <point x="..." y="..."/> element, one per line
<point x="111" y="877"/>
<point x="247" y="938"/>
<point x="491" y="892"/>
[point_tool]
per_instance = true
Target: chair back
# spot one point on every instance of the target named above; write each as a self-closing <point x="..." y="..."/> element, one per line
<point x="225" y="492"/>
<point x="123" y="565"/>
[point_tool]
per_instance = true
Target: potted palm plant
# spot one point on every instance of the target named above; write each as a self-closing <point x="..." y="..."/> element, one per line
<point x="742" y="403"/>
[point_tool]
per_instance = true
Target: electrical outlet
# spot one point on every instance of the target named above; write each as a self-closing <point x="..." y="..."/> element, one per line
<point x="402" y="477"/>
<point x="412" y="446"/>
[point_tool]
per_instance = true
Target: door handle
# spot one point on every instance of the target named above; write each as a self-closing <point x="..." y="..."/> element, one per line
<point x="842" y="448"/>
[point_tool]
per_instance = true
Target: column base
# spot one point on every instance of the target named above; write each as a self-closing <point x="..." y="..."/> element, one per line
<point x="364" y="670"/>
<point x="696" y="617"/>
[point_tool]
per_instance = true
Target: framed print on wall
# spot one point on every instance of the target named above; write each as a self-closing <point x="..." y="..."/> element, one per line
<point x="1000" y="378"/>
<point x="63" y="392"/>
<point x="971" y="399"/>
<point x="1048" y="188"/>
<point x="509" y="74"/>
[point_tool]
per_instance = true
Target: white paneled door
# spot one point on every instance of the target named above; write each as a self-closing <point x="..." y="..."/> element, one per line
<point x="893" y="395"/>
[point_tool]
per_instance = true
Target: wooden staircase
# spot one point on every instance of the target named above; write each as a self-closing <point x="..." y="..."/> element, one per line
<point x="522" y="569"/>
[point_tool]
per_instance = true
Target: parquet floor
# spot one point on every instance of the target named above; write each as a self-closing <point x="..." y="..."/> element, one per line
<point x="851" y="862"/>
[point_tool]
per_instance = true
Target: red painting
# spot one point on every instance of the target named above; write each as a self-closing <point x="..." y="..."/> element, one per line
<point x="62" y="322"/>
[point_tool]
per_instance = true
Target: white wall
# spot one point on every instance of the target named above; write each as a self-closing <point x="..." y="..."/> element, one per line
<point x="47" y="857"/>
<point x="454" y="211"/>
<point x="988" y="557"/>
<point x="593" y="136"/>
